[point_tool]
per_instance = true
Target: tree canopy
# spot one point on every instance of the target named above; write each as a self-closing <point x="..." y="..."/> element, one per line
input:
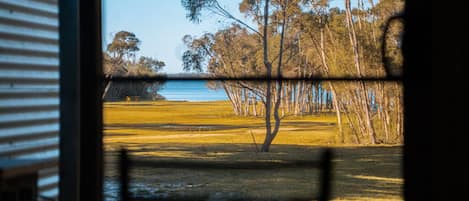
<point x="120" y="60"/>
<point x="301" y="39"/>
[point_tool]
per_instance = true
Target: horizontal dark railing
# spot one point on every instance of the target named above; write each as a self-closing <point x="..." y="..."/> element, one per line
<point x="157" y="78"/>
<point x="324" y="164"/>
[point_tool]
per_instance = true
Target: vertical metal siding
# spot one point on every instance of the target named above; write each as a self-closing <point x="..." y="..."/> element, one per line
<point x="29" y="85"/>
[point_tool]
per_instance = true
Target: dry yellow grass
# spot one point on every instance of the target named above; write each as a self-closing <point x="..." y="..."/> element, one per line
<point x="209" y="131"/>
<point x="200" y="122"/>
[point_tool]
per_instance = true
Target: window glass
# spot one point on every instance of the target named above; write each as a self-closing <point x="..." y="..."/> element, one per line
<point x="186" y="82"/>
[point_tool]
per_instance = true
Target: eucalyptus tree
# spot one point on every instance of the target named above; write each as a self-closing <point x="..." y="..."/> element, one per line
<point x="120" y="51"/>
<point x="302" y="39"/>
<point x="226" y="53"/>
<point x="120" y="60"/>
<point x="314" y="24"/>
<point x="153" y="65"/>
<point x="272" y="19"/>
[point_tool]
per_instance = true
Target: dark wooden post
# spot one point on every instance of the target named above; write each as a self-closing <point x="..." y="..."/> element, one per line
<point x="325" y="188"/>
<point x="124" y="175"/>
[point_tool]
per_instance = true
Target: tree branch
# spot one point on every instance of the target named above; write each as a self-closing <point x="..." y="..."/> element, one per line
<point x="225" y="13"/>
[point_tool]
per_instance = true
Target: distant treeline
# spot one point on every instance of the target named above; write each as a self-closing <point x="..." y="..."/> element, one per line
<point x="120" y="60"/>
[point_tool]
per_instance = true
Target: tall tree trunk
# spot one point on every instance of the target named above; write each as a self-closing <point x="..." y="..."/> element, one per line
<point x="337" y="110"/>
<point x="400" y="113"/>
<point x="229" y="93"/>
<point x="373" y="24"/>
<point x="287" y="97"/>
<point x="268" y="97"/>
<point x="254" y="106"/>
<point x="363" y="96"/>
<point x="366" y="106"/>
<point x="297" y="97"/>
<point x="106" y="89"/>
<point x="351" y="125"/>
<point x="321" y="98"/>
<point x="385" y="110"/>
<point x="246" y="102"/>
<point x="335" y="97"/>
<point x="279" y="84"/>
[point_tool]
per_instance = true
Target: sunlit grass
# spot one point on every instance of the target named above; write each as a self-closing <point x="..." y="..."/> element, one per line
<point x="206" y="123"/>
<point x="384" y="179"/>
<point x="210" y="131"/>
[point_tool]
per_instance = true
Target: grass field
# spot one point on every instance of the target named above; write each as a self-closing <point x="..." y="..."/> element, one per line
<point x="209" y="131"/>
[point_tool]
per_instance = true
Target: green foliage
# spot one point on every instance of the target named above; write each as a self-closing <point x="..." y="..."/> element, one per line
<point x="198" y="52"/>
<point x="312" y="39"/>
<point x="151" y="64"/>
<point x="195" y="8"/>
<point x="124" y="44"/>
<point x="119" y="60"/>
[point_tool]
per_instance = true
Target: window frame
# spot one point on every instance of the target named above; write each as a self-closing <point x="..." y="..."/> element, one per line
<point x="81" y="148"/>
<point x="81" y="152"/>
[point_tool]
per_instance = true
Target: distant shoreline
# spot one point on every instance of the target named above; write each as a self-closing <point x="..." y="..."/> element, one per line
<point x="192" y="91"/>
<point x="159" y="101"/>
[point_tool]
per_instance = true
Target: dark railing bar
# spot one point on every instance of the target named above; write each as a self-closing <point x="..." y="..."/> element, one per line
<point x="258" y="79"/>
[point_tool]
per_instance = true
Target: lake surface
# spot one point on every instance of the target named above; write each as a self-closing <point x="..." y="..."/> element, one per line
<point x="191" y="91"/>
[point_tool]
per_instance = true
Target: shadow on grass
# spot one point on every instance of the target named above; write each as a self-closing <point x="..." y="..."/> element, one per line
<point x="358" y="172"/>
<point x="298" y="125"/>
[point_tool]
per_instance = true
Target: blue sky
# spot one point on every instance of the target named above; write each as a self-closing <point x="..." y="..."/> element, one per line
<point x="160" y="25"/>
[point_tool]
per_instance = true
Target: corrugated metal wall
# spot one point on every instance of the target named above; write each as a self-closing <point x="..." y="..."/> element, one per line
<point x="29" y="85"/>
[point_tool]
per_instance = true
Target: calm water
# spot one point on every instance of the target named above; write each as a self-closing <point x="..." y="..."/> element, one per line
<point x="191" y="91"/>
